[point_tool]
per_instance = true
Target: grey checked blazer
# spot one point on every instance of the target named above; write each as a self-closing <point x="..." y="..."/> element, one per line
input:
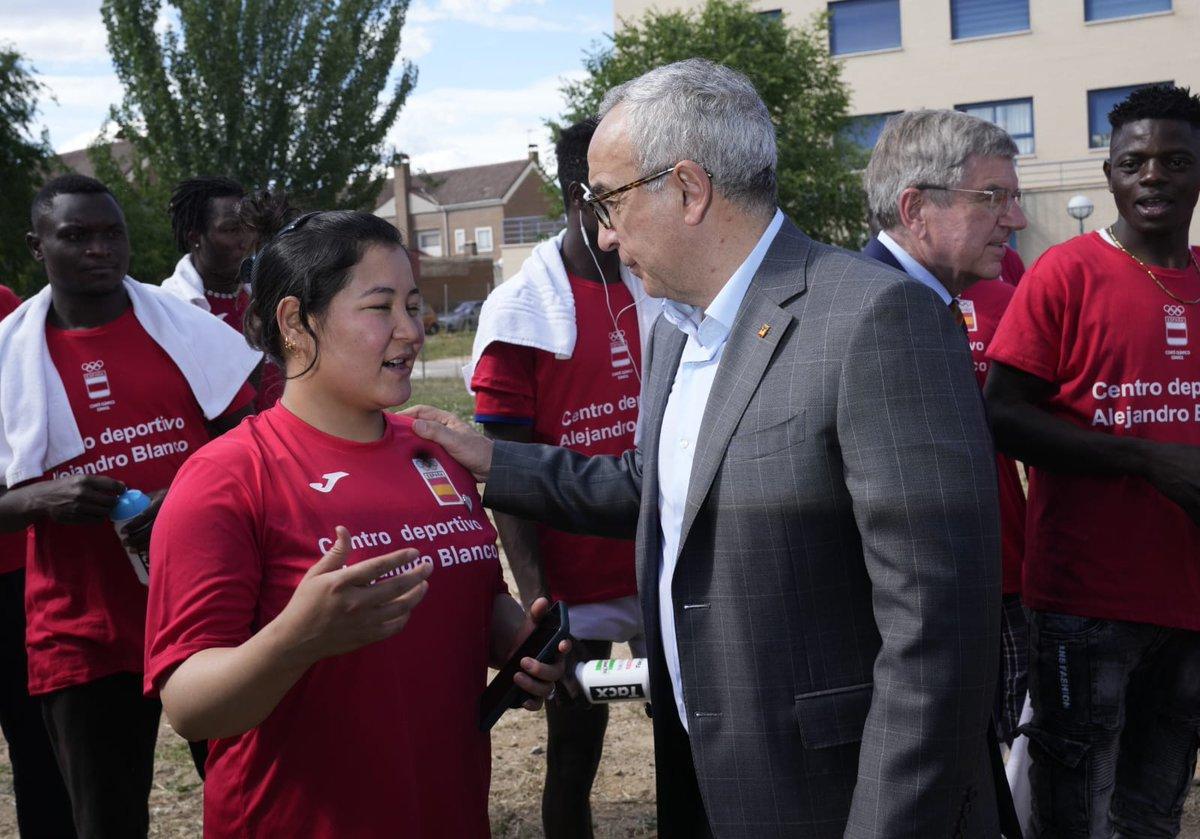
<point x="838" y="586"/>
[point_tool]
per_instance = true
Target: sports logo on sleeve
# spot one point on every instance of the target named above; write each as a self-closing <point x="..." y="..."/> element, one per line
<point x="438" y="481"/>
<point x="331" y="479"/>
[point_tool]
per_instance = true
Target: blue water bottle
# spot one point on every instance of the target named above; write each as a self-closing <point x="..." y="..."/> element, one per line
<point x="132" y="503"/>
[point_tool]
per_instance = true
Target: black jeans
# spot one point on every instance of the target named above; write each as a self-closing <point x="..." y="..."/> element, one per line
<point x="103" y="734"/>
<point x="574" y="744"/>
<point x="43" y="809"/>
<point x="1116" y="710"/>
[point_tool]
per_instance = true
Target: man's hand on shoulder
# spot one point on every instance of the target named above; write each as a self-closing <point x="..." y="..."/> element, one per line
<point x="464" y="443"/>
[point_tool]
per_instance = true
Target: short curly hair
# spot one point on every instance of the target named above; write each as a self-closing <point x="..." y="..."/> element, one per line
<point x="1160" y="101"/>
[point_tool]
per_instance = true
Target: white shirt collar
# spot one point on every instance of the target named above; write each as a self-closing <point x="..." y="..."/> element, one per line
<point x="913" y="268"/>
<point x="710" y="328"/>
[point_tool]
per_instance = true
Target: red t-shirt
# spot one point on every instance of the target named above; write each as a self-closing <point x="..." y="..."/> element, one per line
<point x="982" y="306"/>
<point x="8" y="301"/>
<point x="232" y="310"/>
<point x="378" y="742"/>
<point x="12" y="545"/>
<point x="1012" y="268"/>
<point x="1126" y="360"/>
<point x="86" y="610"/>
<point x="587" y="403"/>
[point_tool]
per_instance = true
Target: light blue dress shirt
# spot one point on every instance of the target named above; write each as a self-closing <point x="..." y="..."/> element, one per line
<point x="707" y="332"/>
<point x="913" y="268"/>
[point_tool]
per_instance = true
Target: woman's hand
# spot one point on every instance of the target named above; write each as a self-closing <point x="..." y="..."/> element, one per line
<point x="535" y="677"/>
<point x="337" y="609"/>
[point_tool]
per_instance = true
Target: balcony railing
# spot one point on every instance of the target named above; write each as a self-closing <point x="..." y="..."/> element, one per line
<point x="527" y="230"/>
<point x="1081" y="172"/>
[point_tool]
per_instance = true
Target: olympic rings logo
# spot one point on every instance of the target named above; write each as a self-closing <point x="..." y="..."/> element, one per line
<point x="1173" y="311"/>
<point x="92" y="366"/>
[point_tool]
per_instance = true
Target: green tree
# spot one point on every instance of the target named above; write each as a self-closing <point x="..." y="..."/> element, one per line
<point x="818" y="172"/>
<point x="292" y="93"/>
<point x="24" y="165"/>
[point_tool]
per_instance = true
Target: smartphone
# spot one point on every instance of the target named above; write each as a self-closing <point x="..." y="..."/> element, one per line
<point x="542" y="644"/>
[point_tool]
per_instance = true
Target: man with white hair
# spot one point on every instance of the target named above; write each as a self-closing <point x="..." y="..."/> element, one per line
<point x="943" y="187"/>
<point x="812" y="496"/>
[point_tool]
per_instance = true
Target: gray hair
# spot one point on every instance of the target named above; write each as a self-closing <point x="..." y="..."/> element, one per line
<point x="705" y="112"/>
<point x="927" y="147"/>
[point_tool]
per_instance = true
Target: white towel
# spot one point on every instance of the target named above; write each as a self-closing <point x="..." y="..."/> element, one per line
<point x="186" y="284"/>
<point x="535" y="308"/>
<point x="37" y="427"/>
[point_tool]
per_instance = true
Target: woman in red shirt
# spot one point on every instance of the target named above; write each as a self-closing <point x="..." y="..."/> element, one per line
<point x="326" y="592"/>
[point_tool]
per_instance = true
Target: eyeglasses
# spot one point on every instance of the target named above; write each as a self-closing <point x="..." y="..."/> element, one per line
<point x="603" y="211"/>
<point x="999" y="200"/>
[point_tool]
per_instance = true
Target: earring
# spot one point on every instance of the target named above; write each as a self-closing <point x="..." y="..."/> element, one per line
<point x="289" y="345"/>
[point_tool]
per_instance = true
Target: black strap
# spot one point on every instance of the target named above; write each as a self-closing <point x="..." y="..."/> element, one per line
<point x="1010" y="825"/>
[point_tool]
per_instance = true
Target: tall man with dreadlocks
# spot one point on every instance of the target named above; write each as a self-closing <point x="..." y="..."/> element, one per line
<point x="1093" y="385"/>
<point x="214" y="239"/>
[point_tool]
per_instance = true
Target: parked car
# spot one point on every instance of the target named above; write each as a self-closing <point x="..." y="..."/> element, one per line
<point x="429" y="319"/>
<point x="464" y="317"/>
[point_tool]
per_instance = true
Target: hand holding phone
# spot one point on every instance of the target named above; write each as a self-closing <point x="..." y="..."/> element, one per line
<point x="502" y="692"/>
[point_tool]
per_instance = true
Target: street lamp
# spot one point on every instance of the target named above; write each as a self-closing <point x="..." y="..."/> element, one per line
<point x="1080" y="207"/>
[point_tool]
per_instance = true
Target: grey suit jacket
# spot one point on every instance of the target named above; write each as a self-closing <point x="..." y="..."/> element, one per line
<point x="837" y="591"/>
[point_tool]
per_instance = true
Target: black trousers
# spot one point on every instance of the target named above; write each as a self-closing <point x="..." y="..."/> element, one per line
<point x="678" y="791"/>
<point x="103" y="734"/>
<point x="43" y="809"/>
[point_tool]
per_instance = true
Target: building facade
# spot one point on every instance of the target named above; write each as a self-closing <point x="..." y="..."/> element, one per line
<point x="1047" y="71"/>
<point x="498" y="211"/>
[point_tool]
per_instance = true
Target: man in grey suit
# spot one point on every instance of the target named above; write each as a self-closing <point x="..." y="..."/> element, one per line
<point x="813" y="496"/>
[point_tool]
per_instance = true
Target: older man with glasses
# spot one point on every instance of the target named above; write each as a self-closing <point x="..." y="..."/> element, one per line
<point x="818" y="556"/>
<point x="943" y="187"/>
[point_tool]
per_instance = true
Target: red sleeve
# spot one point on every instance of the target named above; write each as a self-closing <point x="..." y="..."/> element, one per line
<point x="206" y="568"/>
<point x="1030" y="335"/>
<point x="504" y="384"/>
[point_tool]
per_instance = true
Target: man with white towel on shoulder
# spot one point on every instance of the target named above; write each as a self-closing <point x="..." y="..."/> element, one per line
<point x="106" y="384"/>
<point x="557" y="359"/>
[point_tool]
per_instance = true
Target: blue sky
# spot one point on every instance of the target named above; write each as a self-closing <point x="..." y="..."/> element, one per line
<point x="489" y="72"/>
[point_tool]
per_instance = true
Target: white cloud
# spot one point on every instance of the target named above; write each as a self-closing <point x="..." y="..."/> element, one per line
<point x="415" y="42"/>
<point x="449" y="127"/>
<point x="505" y="15"/>
<point x="42" y="42"/>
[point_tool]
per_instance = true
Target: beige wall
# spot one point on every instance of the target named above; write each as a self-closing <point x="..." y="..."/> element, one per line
<point x="467" y="220"/>
<point x="512" y="258"/>
<point x="1056" y="63"/>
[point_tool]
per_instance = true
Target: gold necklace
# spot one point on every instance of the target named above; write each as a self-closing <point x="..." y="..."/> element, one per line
<point x="1146" y="268"/>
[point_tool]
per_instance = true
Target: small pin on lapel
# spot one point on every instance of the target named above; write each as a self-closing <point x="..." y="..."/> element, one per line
<point x="763" y="330"/>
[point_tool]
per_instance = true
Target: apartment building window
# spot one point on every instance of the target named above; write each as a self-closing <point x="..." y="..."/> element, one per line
<point x="863" y="26"/>
<point x="864" y="130"/>
<point x="1100" y="102"/>
<point x="483" y="239"/>
<point x="430" y="242"/>
<point x="1013" y="115"/>
<point x="1109" y="9"/>
<point x="460" y="240"/>
<point x="975" y="18"/>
